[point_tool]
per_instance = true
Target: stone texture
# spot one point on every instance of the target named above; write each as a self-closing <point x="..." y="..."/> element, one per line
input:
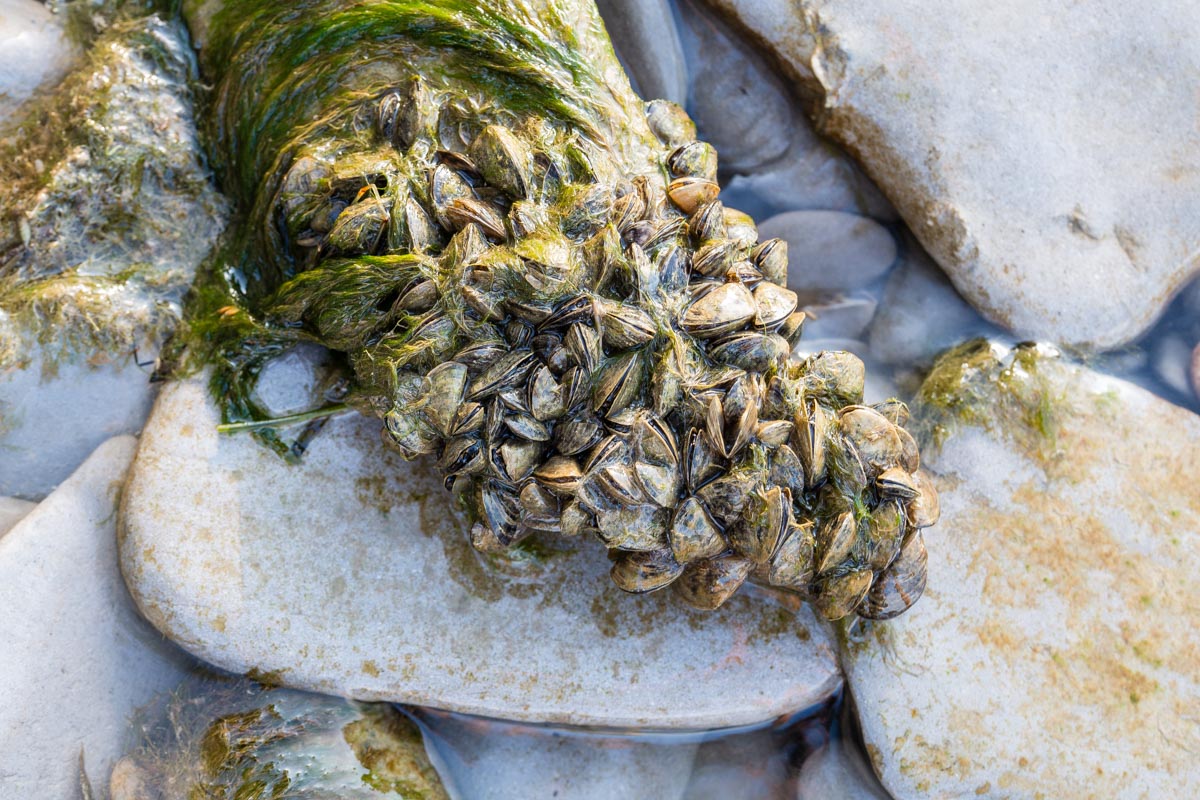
<point x="647" y="42"/>
<point x="838" y="316"/>
<point x="1059" y="215"/>
<point x="96" y="254"/>
<point x="12" y="511"/>
<point x="490" y="760"/>
<point x="352" y="574"/>
<point x="1195" y="372"/>
<point x="1054" y="651"/>
<point x="812" y="174"/>
<point x="740" y="106"/>
<point x="838" y="772"/>
<point x="76" y="659"/>
<point x="921" y="314"/>
<point x="34" y="52"/>
<point x="830" y="250"/>
<point x="52" y="415"/>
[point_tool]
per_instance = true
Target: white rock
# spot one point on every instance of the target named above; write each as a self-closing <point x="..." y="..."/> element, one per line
<point x="34" y="51"/>
<point x="12" y="511"/>
<point x="838" y="772"/>
<point x="740" y="106"/>
<point x="921" y="314"/>
<point x="352" y="574"/>
<point x="644" y="35"/>
<point x="53" y="415"/>
<point x="839" y="316"/>
<point x="490" y="760"/>
<point x="77" y="659"/>
<point x="1057" y="216"/>
<point x="831" y="249"/>
<point x="1056" y="645"/>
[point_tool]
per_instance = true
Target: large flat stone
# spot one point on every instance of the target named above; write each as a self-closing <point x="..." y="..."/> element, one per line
<point x="1046" y="155"/>
<point x="352" y="574"/>
<point x="1054" y="652"/>
<point x="76" y="660"/>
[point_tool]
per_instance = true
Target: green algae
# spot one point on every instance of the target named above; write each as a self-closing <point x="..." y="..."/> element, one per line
<point x="230" y="739"/>
<point x="105" y="202"/>
<point x="979" y="384"/>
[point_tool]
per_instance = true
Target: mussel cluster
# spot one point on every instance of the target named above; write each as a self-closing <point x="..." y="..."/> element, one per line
<point x="584" y="356"/>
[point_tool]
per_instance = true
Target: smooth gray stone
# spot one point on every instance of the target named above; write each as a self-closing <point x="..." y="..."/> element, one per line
<point x="740" y="106"/>
<point x="838" y="772"/>
<point x="839" y="316"/>
<point x="831" y="250"/>
<point x="647" y="42"/>
<point x="77" y="659"/>
<point x="1058" y="216"/>
<point x="490" y="760"/>
<point x="1054" y="651"/>
<point x="921" y="314"/>
<point x="352" y="574"/>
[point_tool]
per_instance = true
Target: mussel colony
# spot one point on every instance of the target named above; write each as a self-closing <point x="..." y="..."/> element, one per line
<point x="542" y="291"/>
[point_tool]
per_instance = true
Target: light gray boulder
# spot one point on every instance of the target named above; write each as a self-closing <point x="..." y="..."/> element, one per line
<point x="352" y="574"/>
<point x="1048" y="157"/>
<point x="1054" y="651"/>
<point x="77" y="659"/>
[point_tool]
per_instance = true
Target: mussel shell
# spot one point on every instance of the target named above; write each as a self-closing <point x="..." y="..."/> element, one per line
<point x="900" y="585"/>
<point x="708" y="583"/>
<point x="643" y="571"/>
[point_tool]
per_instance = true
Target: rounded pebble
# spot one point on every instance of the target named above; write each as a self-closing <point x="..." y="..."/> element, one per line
<point x="831" y="249"/>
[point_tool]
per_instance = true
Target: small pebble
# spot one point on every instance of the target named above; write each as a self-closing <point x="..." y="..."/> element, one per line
<point x="647" y="43"/>
<point x="831" y="250"/>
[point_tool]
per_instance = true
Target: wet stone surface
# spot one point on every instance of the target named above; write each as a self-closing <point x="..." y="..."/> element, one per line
<point x="1056" y="643"/>
<point x="831" y="249"/>
<point x="1082" y="243"/>
<point x="34" y="52"/>
<point x="353" y="574"/>
<point x="76" y="659"/>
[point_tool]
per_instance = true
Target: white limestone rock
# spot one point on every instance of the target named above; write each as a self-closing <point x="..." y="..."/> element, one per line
<point x="34" y="52"/>
<point x="1054" y="651"/>
<point x="77" y="659"/>
<point x="1048" y="157"/>
<point x="491" y="760"/>
<point x="352" y="574"/>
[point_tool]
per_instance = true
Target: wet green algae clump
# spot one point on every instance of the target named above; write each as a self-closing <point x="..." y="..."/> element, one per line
<point x="106" y="207"/>
<point x="528" y="277"/>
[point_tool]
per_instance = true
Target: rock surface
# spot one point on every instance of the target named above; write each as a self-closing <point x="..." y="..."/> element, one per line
<point x="34" y="52"/>
<point x="490" y="760"/>
<point x="740" y="106"/>
<point x="647" y="42"/>
<point x="837" y="772"/>
<point x="76" y="659"/>
<point x="216" y="737"/>
<point x="921" y="315"/>
<point x="830" y="250"/>
<point x="352" y="574"/>
<point x="108" y="209"/>
<point x="1056" y="645"/>
<point x="838" y="316"/>
<point x="12" y="511"/>
<point x="1050" y="211"/>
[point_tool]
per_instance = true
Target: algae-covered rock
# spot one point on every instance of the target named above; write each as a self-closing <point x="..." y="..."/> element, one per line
<point x="528" y="275"/>
<point x="1055" y="652"/>
<point x="222" y="738"/>
<point x="106" y="209"/>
